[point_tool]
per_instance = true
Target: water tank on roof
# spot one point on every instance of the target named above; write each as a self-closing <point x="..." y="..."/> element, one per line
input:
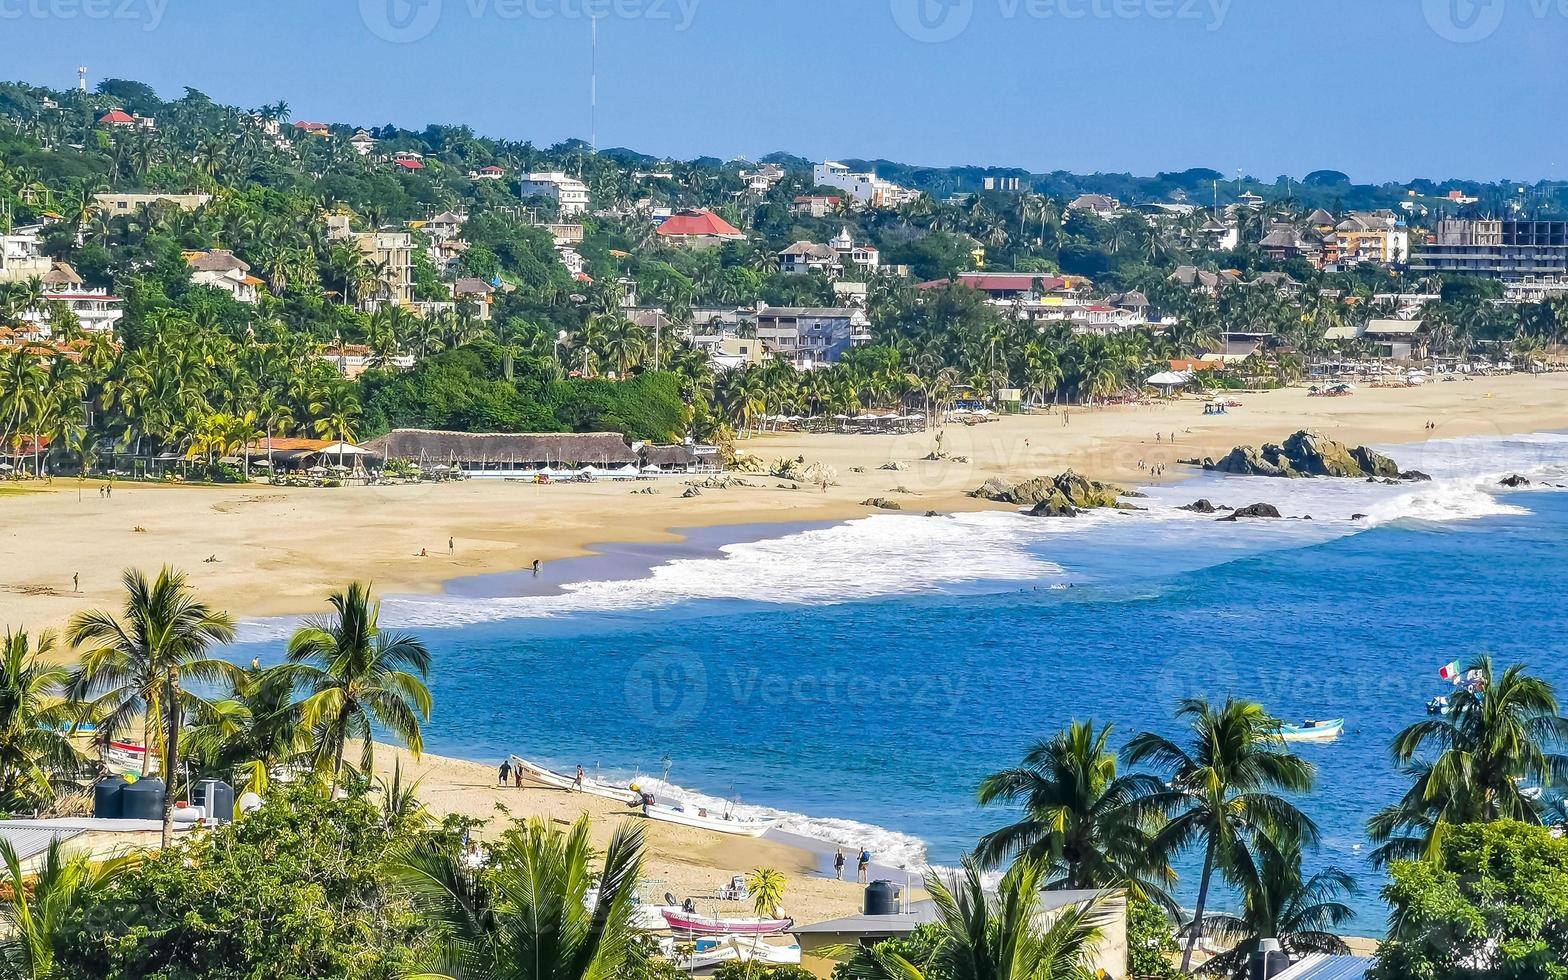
<point x="216" y="798"/>
<point x="142" y="800"/>
<point x="881" y="898"/>
<point x="107" y="804"/>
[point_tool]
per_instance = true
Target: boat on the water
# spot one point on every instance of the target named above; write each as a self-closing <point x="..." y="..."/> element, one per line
<point x="592" y="787"/>
<point x="702" y="925"/>
<point x="707" y="953"/>
<point x="704" y="819"/>
<point x="1313" y="731"/>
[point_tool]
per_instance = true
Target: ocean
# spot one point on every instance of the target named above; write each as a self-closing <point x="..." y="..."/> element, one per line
<point x="858" y="679"/>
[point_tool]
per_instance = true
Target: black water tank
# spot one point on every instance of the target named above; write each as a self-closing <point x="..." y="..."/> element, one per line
<point x="216" y="798"/>
<point x="881" y="898"/>
<point x="106" y="797"/>
<point x="142" y="800"/>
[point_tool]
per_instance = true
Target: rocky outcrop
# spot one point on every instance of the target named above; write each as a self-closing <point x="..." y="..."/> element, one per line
<point x="882" y="503"/>
<point x="1415" y="476"/>
<point x="1514" y="482"/>
<point x="1204" y="506"/>
<point x="1268" y="511"/>
<point x="1307" y="454"/>
<point x="1076" y="491"/>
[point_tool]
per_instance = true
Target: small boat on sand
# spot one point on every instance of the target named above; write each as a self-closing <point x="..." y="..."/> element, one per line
<point x="708" y="953"/>
<point x="702" y="925"/>
<point x="592" y="787"/>
<point x="1313" y="731"/>
<point x="704" y="819"/>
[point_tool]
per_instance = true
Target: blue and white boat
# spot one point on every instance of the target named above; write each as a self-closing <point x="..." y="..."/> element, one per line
<point x="1313" y="731"/>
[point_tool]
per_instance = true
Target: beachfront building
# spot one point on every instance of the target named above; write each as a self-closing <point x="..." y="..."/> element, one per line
<point x="223" y="270"/>
<point x="822" y="943"/>
<point x="865" y="187"/>
<point x="812" y="337"/>
<point x="556" y="455"/>
<point x="1511" y="249"/>
<point x="569" y="194"/>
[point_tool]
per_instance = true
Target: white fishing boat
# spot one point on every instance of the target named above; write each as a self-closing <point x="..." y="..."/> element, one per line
<point x="707" y="953"/>
<point x="702" y="925"/>
<point x="592" y="787"/>
<point x="1313" y="731"/>
<point x="703" y="818"/>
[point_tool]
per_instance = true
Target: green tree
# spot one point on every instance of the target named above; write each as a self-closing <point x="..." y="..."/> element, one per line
<point x="767" y="891"/>
<point x="355" y="675"/>
<point x="1491" y="905"/>
<point x="526" y="915"/>
<point x="1090" y="826"/>
<point x="39" y="904"/>
<point x="139" y="662"/>
<point x="1223" y="790"/>
<point x="36" y="751"/>
<point x="1493" y="740"/>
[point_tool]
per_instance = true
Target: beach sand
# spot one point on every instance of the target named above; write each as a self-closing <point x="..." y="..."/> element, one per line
<point x="260" y="550"/>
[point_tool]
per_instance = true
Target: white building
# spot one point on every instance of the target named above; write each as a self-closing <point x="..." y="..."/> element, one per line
<point x="867" y="188"/>
<point x="221" y="269"/>
<point x="22" y="258"/>
<point x="363" y="143"/>
<point x="96" y="309"/>
<point x="569" y="193"/>
<point x="850" y="255"/>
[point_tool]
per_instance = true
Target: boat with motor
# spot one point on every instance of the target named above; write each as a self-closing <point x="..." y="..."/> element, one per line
<point x="710" y="952"/>
<point x="1313" y="731"/>
<point x="703" y="818"/>
<point x="592" y="787"/>
<point x="702" y="925"/>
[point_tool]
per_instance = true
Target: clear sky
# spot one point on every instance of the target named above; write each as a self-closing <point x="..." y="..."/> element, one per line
<point x="1381" y="89"/>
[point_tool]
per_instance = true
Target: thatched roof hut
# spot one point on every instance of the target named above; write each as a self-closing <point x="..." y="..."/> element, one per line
<point x="475" y="450"/>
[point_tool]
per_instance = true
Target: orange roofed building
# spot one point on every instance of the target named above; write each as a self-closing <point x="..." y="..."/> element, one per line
<point x="698" y="229"/>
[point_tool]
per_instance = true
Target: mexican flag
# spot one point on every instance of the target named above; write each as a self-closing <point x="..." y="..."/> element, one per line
<point x="1450" y="672"/>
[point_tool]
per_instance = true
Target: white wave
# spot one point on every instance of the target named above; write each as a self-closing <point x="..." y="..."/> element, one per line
<point x="1443" y="502"/>
<point x="889" y="848"/>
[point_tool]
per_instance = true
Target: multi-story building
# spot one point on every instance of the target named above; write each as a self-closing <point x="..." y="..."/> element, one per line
<point x="569" y="193"/>
<point x="1378" y="237"/>
<point x="804" y="257"/>
<point x="222" y="269"/>
<point x="867" y="188"/>
<point x="118" y="204"/>
<point x="392" y="255"/>
<point x="21" y="257"/>
<point x="865" y="258"/>
<point x="96" y="309"/>
<point x="812" y="337"/>
<point x="1499" y="249"/>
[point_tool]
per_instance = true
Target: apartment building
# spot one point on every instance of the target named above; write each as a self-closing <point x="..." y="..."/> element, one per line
<point x="1498" y="249"/>
<point x="867" y="188"/>
<point x="569" y="193"/>
<point x="812" y="337"/>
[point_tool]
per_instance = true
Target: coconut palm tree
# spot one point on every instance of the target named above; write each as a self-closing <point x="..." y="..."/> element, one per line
<point x="1497" y="736"/>
<point x="1222" y="791"/>
<point x="41" y="903"/>
<point x="400" y="804"/>
<point x="358" y="676"/>
<point x="766" y="886"/>
<point x="138" y="664"/>
<point x="998" y="936"/>
<point x="527" y="915"/>
<point x="1278" y="903"/>
<point x="1086" y="825"/>
<point x="36" y="752"/>
<point x="251" y="734"/>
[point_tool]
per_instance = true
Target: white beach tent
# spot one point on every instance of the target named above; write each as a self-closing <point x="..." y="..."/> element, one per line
<point x="1170" y="380"/>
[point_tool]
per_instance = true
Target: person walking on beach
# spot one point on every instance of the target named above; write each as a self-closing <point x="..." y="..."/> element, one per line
<point x="536" y="566"/>
<point x="451" y="546"/>
<point x="838" y="864"/>
<point x="862" y="870"/>
<point x="506" y="771"/>
<point x="517" y="776"/>
<point x="577" y="781"/>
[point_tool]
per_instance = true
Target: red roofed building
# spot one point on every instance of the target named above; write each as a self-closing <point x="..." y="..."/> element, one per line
<point x="117" y="117"/>
<point x="320" y="129"/>
<point x="699" y="228"/>
<point x="409" y="164"/>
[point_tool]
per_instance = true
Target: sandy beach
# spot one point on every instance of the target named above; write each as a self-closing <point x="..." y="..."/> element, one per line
<point x="260" y="550"/>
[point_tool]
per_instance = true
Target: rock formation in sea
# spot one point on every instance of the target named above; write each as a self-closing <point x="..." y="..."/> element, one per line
<point x="1059" y="496"/>
<point x="1307" y="454"/>
<point x="1254" y="511"/>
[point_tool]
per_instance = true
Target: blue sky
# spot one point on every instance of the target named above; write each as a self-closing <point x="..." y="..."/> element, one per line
<point x="1381" y="89"/>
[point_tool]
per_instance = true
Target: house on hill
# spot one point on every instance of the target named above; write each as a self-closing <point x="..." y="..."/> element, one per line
<point x="698" y="229"/>
<point x="222" y="269"/>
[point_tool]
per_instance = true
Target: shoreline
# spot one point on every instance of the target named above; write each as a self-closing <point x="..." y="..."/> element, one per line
<point x="261" y="551"/>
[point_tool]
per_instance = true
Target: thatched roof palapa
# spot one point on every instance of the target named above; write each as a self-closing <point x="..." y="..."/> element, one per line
<point x="584" y="448"/>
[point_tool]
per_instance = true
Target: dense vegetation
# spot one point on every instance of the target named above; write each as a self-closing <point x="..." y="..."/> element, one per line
<point x="195" y="373"/>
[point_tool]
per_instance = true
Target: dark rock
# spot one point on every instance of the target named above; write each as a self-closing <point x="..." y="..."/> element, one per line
<point x="1056" y="505"/>
<point x="881" y="503"/>
<point x="1358" y="517"/>
<point x="932" y="513"/>
<point x="1516" y="481"/>
<point x="1245" y="461"/>
<point x="1307" y="454"/>
<point x="692" y="492"/>
<point x="1204" y="506"/>
<point x="1415" y="476"/>
<point x="1077" y="492"/>
<point x="1375" y="463"/>
<point x="1254" y="511"/>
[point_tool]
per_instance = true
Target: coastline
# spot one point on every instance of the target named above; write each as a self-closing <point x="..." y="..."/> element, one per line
<point x="262" y="551"/>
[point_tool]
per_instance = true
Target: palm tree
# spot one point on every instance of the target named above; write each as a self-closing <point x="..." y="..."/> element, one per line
<point x="1221" y="791"/>
<point x="251" y="734"/>
<point x="357" y="675"/>
<point x="1084" y="824"/>
<point x="36" y="751"/>
<point x="141" y="661"/>
<point x="767" y="891"/>
<point x="527" y="914"/>
<point x="41" y="904"/>
<point x="1277" y="903"/>
<point x="400" y="804"/>
<point x="1496" y="737"/>
<point x="998" y="936"/>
